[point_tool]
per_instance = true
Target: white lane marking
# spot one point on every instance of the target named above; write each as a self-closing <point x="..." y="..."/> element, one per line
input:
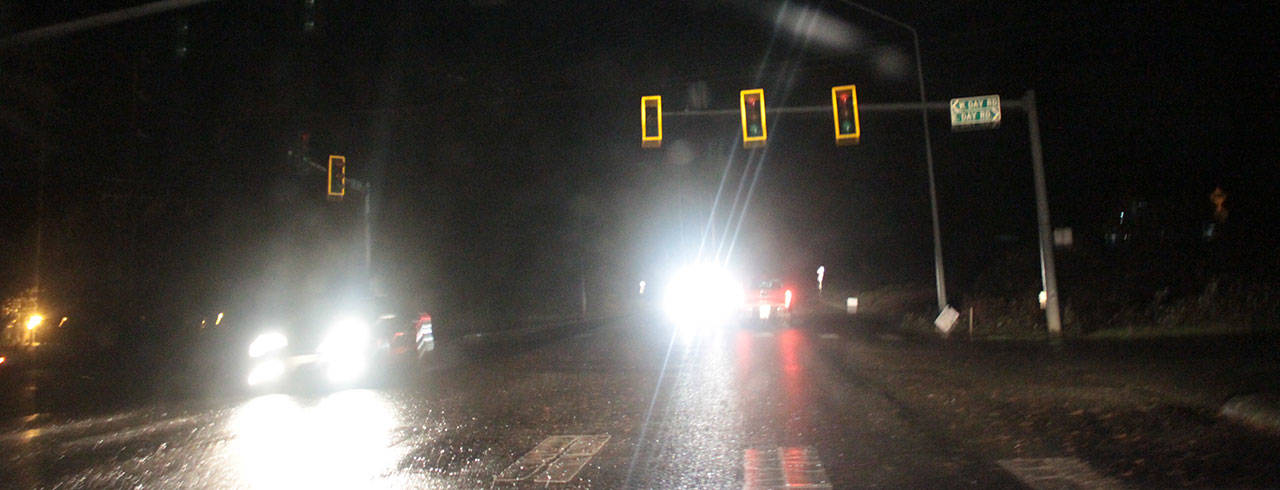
<point x="764" y="334"/>
<point x="830" y="336"/>
<point x="783" y="467"/>
<point x="25" y="434"/>
<point x="1055" y="473"/>
<point x="557" y="459"/>
<point x="120" y="437"/>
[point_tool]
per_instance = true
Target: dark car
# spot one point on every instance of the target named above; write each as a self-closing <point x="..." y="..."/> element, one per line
<point x="768" y="300"/>
<point x="335" y="350"/>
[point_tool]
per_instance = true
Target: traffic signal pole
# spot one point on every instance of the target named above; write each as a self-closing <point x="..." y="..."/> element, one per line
<point x="366" y="191"/>
<point x="928" y="147"/>
<point x="1048" y="275"/>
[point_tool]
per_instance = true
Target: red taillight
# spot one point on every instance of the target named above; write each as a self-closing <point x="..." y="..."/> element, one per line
<point x="786" y="303"/>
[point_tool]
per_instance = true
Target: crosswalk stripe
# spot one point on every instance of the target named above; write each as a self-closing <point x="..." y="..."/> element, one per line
<point x="1054" y="473"/>
<point x="783" y="467"/>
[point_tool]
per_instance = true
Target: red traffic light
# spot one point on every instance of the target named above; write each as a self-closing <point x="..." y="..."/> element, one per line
<point x="844" y="110"/>
<point x="754" y="127"/>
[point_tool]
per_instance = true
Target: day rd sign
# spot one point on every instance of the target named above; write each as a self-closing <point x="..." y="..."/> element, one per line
<point x="979" y="112"/>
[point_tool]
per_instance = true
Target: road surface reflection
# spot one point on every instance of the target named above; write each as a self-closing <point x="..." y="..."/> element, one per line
<point x="344" y="440"/>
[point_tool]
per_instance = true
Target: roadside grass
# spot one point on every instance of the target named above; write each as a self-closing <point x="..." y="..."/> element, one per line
<point x="1019" y="318"/>
<point x="1165" y="331"/>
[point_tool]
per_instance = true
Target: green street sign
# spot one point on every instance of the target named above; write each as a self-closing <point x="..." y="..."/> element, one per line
<point x="979" y="112"/>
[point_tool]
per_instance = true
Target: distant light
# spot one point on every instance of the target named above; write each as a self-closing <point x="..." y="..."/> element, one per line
<point x="219" y="320"/>
<point x="1043" y="299"/>
<point x="63" y="322"/>
<point x="34" y="321"/>
<point x="787" y="301"/>
<point x="851" y="305"/>
<point x="2" y="359"/>
<point x="642" y="285"/>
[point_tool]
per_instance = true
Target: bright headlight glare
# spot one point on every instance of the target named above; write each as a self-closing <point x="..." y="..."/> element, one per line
<point x="267" y="343"/>
<point x="266" y="372"/>
<point x="346" y="336"/>
<point x="702" y="296"/>
<point x="345" y="369"/>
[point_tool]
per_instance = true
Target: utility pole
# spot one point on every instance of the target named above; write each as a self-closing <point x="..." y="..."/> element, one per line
<point x="1048" y="276"/>
<point x="940" y="275"/>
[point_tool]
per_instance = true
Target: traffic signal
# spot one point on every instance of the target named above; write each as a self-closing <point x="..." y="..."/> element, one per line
<point x="337" y="177"/>
<point x="844" y="108"/>
<point x="651" y="121"/>
<point x="754" y="130"/>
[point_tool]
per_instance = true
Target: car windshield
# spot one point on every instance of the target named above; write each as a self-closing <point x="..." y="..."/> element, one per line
<point x="620" y="244"/>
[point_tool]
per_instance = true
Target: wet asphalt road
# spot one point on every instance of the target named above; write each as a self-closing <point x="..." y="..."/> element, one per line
<point x="641" y="406"/>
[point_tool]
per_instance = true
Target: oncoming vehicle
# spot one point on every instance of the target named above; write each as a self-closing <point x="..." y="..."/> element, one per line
<point x="769" y="300"/>
<point x="346" y="349"/>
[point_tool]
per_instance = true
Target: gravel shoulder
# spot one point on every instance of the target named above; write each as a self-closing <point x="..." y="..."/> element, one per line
<point x="1145" y="413"/>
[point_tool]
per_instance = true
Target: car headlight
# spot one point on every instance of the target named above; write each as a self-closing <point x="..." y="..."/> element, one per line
<point x="343" y="349"/>
<point x="268" y="371"/>
<point x="267" y="343"/>
<point x="702" y="296"/>
<point x="347" y="335"/>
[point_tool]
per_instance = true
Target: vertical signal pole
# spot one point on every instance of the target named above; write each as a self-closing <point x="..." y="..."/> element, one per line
<point x="940" y="275"/>
<point x="1047" y="275"/>
<point x="368" y="234"/>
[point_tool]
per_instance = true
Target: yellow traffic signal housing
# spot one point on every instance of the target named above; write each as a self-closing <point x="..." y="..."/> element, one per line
<point x="754" y="128"/>
<point x="844" y="109"/>
<point x="337" y="177"/>
<point x="651" y="121"/>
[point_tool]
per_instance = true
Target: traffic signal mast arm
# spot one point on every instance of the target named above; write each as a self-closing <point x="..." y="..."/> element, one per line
<point x="826" y="109"/>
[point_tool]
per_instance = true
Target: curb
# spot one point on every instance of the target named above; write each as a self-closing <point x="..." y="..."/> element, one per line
<point x="1256" y="410"/>
<point x="527" y="333"/>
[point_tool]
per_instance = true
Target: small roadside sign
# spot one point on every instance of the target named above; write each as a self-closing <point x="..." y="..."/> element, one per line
<point x="981" y="112"/>
<point x="946" y="320"/>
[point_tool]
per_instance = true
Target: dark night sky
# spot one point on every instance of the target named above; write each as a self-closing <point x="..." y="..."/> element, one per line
<point x="503" y="136"/>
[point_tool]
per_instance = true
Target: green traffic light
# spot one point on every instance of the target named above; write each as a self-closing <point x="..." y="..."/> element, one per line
<point x="753" y="130"/>
<point x="846" y="126"/>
